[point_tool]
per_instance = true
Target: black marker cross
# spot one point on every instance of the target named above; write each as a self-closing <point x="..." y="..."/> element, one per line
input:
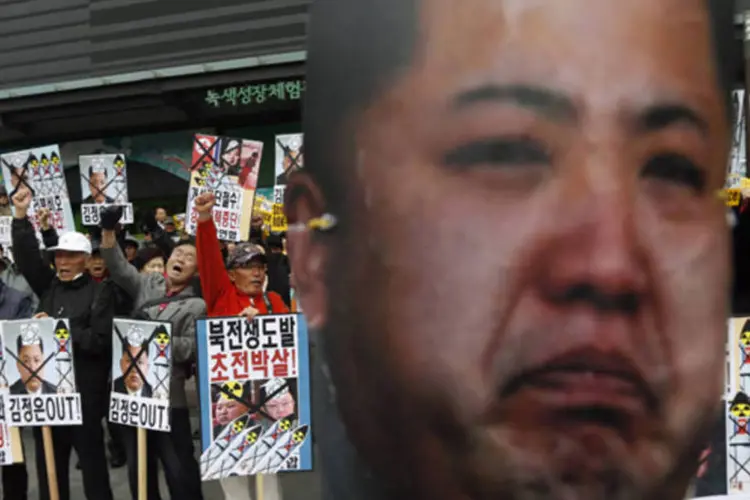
<point x="133" y="364"/>
<point x="258" y="407"/>
<point x="34" y="373"/>
<point x="294" y="164"/>
<point x="20" y="177"/>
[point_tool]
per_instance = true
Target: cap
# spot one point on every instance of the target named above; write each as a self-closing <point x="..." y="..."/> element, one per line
<point x="243" y="253"/>
<point x="73" y="242"/>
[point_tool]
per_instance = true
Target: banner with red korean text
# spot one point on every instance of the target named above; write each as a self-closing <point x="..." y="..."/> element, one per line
<point x="228" y="167"/>
<point x="254" y="388"/>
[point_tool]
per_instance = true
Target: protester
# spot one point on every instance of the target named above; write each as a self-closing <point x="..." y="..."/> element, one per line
<point x="161" y="216"/>
<point x="525" y="291"/>
<point x="163" y="297"/>
<point x="149" y="260"/>
<point x="234" y="289"/>
<point x="96" y="266"/>
<point x="278" y="268"/>
<point x="15" y="304"/>
<point x="131" y="249"/>
<point x="5" y="209"/>
<point x="69" y="292"/>
<point x="12" y="277"/>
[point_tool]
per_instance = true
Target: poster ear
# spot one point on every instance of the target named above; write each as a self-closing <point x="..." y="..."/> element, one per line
<point x="308" y="252"/>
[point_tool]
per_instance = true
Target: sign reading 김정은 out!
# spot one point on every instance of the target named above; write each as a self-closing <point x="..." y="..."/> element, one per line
<point x="42" y="391"/>
<point x="141" y="372"/>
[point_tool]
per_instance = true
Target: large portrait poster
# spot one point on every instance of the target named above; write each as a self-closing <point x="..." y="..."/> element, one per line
<point x="38" y="367"/>
<point x="255" y="395"/>
<point x="141" y="372"/>
<point x="40" y="170"/>
<point x="104" y="182"/>
<point x="227" y="167"/>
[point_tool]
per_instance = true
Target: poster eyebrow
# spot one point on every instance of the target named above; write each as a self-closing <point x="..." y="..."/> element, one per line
<point x="539" y="99"/>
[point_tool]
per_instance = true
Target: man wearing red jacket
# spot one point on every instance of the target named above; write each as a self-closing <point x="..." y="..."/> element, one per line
<point x="234" y="289"/>
<point x="237" y="288"/>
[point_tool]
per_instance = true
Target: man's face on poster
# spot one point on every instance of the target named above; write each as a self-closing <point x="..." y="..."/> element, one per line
<point x="133" y="380"/>
<point x="18" y="173"/>
<point x="98" y="186"/>
<point x="292" y="160"/>
<point x="281" y="406"/>
<point x="533" y="208"/>
<point x="228" y="410"/>
<point x="31" y="359"/>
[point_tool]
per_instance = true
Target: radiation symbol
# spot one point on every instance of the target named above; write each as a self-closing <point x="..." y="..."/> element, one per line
<point x="285" y="424"/>
<point x="55" y="159"/>
<point x="119" y="163"/>
<point x="61" y="333"/>
<point x="45" y="161"/>
<point x="740" y="410"/>
<point x="745" y="338"/>
<point x="162" y="339"/>
<point x="252" y="437"/>
<point x="238" y="426"/>
<point x="34" y="162"/>
<point x="298" y="436"/>
<point x="231" y="389"/>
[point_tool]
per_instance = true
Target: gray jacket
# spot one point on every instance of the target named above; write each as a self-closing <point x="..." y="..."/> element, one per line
<point x="10" y="275"/>
<point x="144" y="288"/>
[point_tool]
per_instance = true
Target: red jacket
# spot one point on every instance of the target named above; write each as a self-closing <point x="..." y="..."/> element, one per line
<point x="221" y="296"/>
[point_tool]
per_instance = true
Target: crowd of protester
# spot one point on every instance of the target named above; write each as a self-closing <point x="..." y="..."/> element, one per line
<point x="169" y="276"/>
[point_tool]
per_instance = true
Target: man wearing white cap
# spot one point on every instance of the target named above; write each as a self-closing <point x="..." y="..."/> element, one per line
<point x="68" y="291"/>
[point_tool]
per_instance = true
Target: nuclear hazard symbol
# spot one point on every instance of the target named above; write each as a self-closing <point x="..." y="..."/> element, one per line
<point x="162" y="361"/>
<point x="63" y="360"/>
<point x="739" y="414"/>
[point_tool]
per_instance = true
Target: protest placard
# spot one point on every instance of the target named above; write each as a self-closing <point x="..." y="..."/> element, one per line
<point x="253" y="382"/>
<point x="6" y="222"/>
<point x="39" y="370"/>
<point x="227" y="167"/>
<point x="263" y="206"/>
<point x="10" y="437"/>
<point x="141" y="371"/>
<point x="289" y="159"/>
<point x="40" y="170"/>
<point x="104" y="182"/>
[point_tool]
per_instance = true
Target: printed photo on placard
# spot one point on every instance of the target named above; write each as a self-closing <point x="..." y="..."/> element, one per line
<point x="254" y="390"/>
<point x="141" y="373"/>
<point x="289" y="157"/>
<point x="228" y="167"/>
<point x="104" y="182"/>
<point x="40" y="171"/>
<point x="38" y="356"/>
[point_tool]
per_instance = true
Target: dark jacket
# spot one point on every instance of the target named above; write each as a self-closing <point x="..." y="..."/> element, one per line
<point x="88" y="305"/>
<point x="18" y="388"/>
<point x="119" y="387"/>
